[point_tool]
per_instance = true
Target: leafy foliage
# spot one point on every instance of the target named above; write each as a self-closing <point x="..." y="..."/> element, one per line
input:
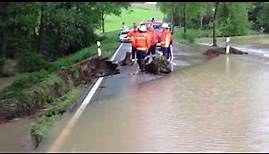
<point x="233" y="19"/>
<point x="110" y="8"/>
<point x="175" y="12"/>
<point x="259" y="15"/>
<point x="29" y="79"/>
<point x="53" y="29"/>
<point x="30" y="62"/>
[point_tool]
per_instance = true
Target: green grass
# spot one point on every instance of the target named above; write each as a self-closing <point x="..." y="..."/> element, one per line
<point x="190" y="35"/>
<point x="130" y="16"/>
<point x="28" y="79"/>
<point x="64" y="103"/>
<point x="40" y="129"/>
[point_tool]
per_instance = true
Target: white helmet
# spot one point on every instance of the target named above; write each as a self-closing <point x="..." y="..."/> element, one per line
<point x="143" y="28"/>
<point x="165" y="25"/>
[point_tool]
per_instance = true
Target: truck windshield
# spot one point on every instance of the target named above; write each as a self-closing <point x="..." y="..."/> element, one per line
<point x="158" y="28"/>
<point x="124" y="32"/>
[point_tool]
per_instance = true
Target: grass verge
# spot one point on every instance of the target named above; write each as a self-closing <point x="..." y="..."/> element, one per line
<point x="190" y="35"/>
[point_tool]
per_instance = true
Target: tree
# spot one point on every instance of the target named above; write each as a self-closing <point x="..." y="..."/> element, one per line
<point x="18" y="21"/>
<point x="263" y="18"/>
<point x="71" y="27"/>
<point x="184" y="17"/>
<point x="110" y="8"/>
<point x="188" y="11"/>
<point x="214" y="23"/>
<point x="259" y="15"/>
<point x="3" y="26"/>
<point x="233" y="19"/>
<point x="53" y="29"/>
<point x="170" y="9"/>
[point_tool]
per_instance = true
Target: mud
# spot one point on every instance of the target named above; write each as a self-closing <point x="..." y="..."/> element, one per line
<point x="88" y="70"/>
<point x="213" y="52"/>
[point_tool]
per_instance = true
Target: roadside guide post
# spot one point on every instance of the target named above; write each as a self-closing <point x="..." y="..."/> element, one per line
<point x="227" y="66"/>
<point x="227" y="45"/>
<point x="171" y="58"/>
<point x="99" y="49"/>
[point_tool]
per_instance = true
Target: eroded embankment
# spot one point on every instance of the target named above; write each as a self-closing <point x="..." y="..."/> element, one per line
<point x="48" y="95"/>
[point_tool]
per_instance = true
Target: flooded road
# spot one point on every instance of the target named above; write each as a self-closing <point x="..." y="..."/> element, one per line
<point x="217" y="106"/>
<point x="256" y="44"/>
<point x="15" y="136"/>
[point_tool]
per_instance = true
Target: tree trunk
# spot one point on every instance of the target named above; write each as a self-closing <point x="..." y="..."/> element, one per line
<point x="4" y="33"/>
<point x="173" y="23"/>
<point x="42" y="31"/>
<point x="201" y="22"/>
<point x="214" y="24"/>
<point x="103" y="22"/>
<point x="184" y="14"/>
<point x="4" y="44"/>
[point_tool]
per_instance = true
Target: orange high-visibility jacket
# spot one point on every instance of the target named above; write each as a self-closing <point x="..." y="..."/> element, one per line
<point x="132" y="35"/>
<point x="143" y="41"/>
<point x="154" y="37"/>
<point x="166" y="39"/>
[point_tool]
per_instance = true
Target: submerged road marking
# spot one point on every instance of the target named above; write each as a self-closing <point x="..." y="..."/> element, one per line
<point x="67" y="129"/>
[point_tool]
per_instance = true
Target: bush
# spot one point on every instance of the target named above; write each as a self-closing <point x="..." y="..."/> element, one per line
<point x="14" y="102"/>
<point x="28" y="79"/>
<point x="8" y="92"/>
<point x="25" y="103"/>
<point x="62" y="104"/>
<point x="189" y="37"/>
<point x="30" y="62"/>
<point x="233" y="19"/>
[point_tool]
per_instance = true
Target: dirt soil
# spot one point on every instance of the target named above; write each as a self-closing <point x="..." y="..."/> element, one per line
<point x="213" y="52"/>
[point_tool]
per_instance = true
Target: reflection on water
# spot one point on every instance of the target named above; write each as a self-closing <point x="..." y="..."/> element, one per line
<point x="227" y="68"/>
<point x="221" y="105"/>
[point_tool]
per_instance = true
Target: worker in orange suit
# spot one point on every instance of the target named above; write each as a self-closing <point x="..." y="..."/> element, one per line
<point x="166" y="41"/>
<point x="154" y="40"/>
<point x="132" y="35"/>
<point x="142" y="44"/>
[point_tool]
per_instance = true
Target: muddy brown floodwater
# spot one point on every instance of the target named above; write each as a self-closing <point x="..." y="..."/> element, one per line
<point x="15" y="136"/>
<point x="256" y="44"/>
<point x="218" y="106"/>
